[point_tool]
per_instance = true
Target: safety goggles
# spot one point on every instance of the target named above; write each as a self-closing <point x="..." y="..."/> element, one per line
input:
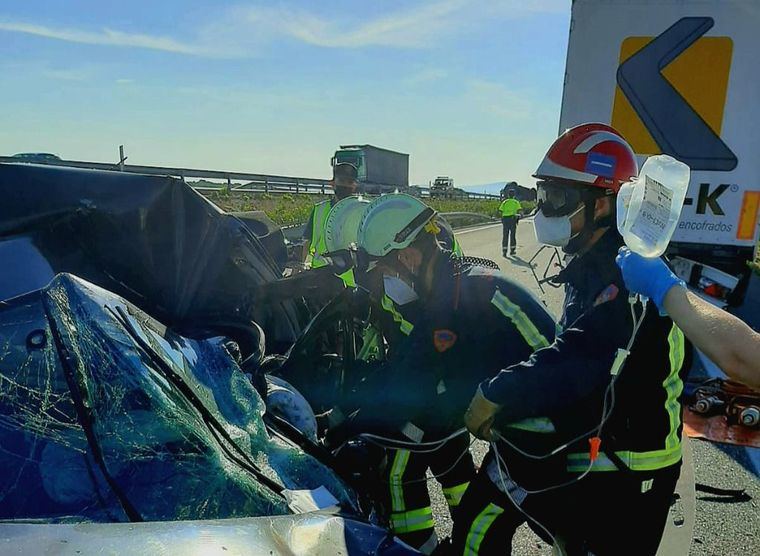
<point x="557" y="199"/>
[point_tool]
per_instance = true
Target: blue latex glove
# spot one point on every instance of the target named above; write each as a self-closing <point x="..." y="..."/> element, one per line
<point x="649" y="277"/>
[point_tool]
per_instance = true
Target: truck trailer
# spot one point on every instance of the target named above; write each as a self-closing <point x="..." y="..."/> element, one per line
<point x="380" y="170"/>
<point x="680" y="78"/>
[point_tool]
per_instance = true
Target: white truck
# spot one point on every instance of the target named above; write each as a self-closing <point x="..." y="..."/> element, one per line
<point x="680" y="77"/>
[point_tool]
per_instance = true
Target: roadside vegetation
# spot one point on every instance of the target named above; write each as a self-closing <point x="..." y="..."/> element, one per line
<point x="290" y="209"/>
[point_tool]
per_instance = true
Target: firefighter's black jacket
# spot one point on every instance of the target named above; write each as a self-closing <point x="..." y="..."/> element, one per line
<point x="474" y="322"/>
<point x="568" y="380"/>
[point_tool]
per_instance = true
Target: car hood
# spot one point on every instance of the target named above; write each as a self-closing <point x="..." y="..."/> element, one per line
<point x="312" y="534"/>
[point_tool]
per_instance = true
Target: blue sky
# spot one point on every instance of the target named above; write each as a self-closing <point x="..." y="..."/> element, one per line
<point x="470" y="89"/>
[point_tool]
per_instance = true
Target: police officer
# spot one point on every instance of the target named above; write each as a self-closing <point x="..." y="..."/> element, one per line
<point x="468" y="320"/>
<point x="510" y="209"/>
<point x="611" y="393"/>
<point x="345" y="184"/>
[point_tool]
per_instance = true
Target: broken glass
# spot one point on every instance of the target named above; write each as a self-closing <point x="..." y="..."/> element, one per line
<point x="105" y="415"/>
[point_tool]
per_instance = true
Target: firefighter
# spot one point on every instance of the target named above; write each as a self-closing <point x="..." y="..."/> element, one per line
<point x="619" y="417"/>
<point x="467" y="319"/>
<point x="344" y="184"/>
<point x="510" y="209"/>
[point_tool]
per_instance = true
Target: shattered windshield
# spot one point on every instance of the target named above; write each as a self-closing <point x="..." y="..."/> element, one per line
<point x="106" y="416"/>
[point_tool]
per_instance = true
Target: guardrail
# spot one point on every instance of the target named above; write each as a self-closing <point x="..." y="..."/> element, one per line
<point x="458" y="219"/>
<point x="455" y="219"/>
<point x="254" y="183"/>
<point x="258" y="182"/>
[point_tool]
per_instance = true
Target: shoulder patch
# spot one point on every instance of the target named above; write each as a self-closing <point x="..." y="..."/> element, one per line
<point x="443" y="339"/>
<point x="608" y="294"/>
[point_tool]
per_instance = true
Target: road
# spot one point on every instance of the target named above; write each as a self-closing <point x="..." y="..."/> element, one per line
<point x="723" y="525"/>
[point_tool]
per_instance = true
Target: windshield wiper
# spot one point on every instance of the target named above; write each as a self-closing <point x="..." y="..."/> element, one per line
<point x="217" y="430"/>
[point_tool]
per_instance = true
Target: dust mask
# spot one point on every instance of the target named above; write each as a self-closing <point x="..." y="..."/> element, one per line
<point x="399" y="291"/>
<point x="555" y="230"/>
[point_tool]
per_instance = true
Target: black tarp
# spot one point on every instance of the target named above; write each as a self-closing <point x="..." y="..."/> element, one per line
<point x="151" y="239"/>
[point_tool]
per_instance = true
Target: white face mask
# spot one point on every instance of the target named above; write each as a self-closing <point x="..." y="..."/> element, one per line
<point x="399" y="291"/>
<point x="555" y="230"/>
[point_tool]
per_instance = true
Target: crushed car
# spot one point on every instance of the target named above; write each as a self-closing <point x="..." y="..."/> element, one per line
<point x="133" y="401"/>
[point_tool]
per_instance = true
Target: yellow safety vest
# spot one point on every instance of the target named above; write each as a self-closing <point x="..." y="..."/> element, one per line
<point x="317" y="246"/>
<point x="510" y="207"/>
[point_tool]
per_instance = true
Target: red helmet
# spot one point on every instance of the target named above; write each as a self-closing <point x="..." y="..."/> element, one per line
<point x="590" y="154"/>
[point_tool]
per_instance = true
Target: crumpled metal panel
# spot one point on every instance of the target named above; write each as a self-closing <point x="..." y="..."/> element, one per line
<point x="312" y="534"/>
<point x="95" y="426"/>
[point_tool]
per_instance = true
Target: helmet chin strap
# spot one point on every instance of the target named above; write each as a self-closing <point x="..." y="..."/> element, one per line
<point x="417" y="277"/>
<point x="401" y="270"/>
<point x="590" y="226"/>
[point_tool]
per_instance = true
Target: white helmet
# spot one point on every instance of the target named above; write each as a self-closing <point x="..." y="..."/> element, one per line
<point x="342" y="226"/>
<point x="393" y="222"/>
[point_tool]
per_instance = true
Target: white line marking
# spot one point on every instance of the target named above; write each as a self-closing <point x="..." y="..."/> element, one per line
<point x="477" y="229"/>
<point x="489" y="226"/>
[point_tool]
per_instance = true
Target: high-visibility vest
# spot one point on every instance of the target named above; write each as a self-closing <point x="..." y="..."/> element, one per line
<point x="510" y="207"/>
<point x="456" y="248"/>
<point x="664" y="450"/>
<point x="318" y="247"/>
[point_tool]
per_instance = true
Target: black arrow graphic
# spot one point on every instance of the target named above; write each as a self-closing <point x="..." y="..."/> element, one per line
<point x="676" y="128"/>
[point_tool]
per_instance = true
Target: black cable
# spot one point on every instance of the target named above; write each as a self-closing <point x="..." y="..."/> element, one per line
<point x="284" y="429"/>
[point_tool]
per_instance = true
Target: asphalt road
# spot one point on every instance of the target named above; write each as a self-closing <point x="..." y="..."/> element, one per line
<point x="722" y="526"/>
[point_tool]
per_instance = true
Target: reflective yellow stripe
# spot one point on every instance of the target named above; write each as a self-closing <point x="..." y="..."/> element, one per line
<point x="454" y="494"/>
<point x="370" y="344"/>
<point x="674" y="385"/>
<point x="400" y="460"/>
<point x="479" y="528"/>
<point x="404" y="325"/>
<point x="318" y="245"/>
<point x="348" y="278"/>
<point x="455" y="247"/>
<point x="413" y="520"/>
<point x="655" y="459"/>
<point x="636" y="461"/>
<point x="524" y="325"/>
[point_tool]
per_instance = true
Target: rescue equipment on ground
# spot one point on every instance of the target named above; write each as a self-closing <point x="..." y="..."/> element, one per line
<point x="739" y="403"/>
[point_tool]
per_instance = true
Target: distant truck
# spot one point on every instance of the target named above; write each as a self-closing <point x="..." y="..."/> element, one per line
<point x="443" y="186"/>
<point x="380" y="170"/>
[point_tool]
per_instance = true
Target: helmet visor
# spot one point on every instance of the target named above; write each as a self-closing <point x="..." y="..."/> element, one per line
<point x="556" y="199"/>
